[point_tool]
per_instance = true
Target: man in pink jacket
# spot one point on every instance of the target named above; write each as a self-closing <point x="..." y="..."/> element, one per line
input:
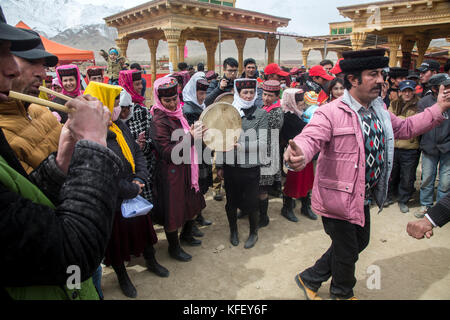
<point x="355" y="137"/>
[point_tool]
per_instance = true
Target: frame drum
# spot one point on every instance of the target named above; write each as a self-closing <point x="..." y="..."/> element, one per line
<point x="225" y="97"/>
<point x="224" y="126"/>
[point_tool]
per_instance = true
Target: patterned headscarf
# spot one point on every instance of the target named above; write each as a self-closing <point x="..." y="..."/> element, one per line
<point x="126" y="81"/>
<point x="289" y="104"/>
<point x="178" y="114"/>
<point x="69" y="69"/>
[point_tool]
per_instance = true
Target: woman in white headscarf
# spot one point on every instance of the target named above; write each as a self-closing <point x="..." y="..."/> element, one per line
<point x="241" y="171"/>
<point x="194" y="95"/>
<point x="298" y="184"/>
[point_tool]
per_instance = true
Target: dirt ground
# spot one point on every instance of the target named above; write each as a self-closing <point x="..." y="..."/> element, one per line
<point x="408" y="268"/>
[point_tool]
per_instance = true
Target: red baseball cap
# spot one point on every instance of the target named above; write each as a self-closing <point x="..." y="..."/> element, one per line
<point x="274" y="68"/>
<point x="319" y="71"/>
<point x="337" y="68"/>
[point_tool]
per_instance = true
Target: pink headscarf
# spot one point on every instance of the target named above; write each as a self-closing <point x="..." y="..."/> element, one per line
<point x="77" y="91"/>
<point x="288" y="104"/>
<point x="178" y="114"/>
<point x="126" y="82"/>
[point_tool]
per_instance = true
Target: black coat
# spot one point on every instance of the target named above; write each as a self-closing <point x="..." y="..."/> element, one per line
<point x="440" y="213"/>
<point x="37" y="243"/>
<point x="128" y="189"/>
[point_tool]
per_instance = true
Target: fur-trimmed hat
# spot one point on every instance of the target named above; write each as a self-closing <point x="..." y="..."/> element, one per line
<point x="168" y="90"/>
<point x="94" y="71"/>
<point x="356" y="61"/>
<point x="245" y="84"/>
<point x="136" y="75"/>
<point x="202" y="85"/>
<point x="397" y="72"/>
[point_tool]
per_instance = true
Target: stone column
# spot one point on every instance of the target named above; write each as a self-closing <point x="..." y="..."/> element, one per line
<point x="394" y="42"/>
<point x="322" y="53"/>
<point x="181" y="45"/>
<point x="407" y="47"/>
<point x="173" y="37"/>
<point x="305" y="54"/>
<point x="122" y="45"/>
<point x="240" y="44"/>
<point x="358" y="39"/>
<point x="153" y="46"/>
<point x="211" y="47"/>
<point x="423" y="43"/>
<point x="272" y="42"/>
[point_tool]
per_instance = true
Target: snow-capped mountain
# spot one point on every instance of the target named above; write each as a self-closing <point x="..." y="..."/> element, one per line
<point x="52" y="17"/>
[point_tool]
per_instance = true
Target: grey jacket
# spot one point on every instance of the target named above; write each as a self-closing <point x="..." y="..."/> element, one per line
<point x="437" y="140"/>
<point x="252" y="150"/>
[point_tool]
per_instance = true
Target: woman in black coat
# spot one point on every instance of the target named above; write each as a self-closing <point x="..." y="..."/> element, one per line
<point x="194" y="95"/>
<point x="130" y="236"/>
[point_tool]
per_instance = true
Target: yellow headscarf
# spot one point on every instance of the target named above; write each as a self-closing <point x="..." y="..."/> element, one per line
<point x="43" y="95"/>
<point x="107" y="94"/>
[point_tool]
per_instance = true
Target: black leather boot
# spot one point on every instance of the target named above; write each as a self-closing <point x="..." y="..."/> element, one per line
<point x="288" y="209"/>
<point x="187" y="237"/>
<point x="253" y="236"/>
<point x="175" y="250"/>
<point x="127" y="287"/>
<point x="263" y="217"/>
<point x="196" y="231"/>
<point x="306" y="208"/>
<point x="232" y="222"/>
<point x="202" y="221"/>
<point x="152" y="264"/>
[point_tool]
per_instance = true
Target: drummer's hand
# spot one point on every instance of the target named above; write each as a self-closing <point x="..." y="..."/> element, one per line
<point x="197" y="130"/>
<point x="294" y="157"/>
<point x="220" y="173"/>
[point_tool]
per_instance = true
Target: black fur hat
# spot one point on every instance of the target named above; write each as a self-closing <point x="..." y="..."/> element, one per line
<point x="356" y="61"/>
<point x="397" y="72"/>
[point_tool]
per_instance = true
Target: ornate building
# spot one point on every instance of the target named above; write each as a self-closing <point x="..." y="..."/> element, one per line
<point x="404" y="27"/>
<point x="206" y="21"/>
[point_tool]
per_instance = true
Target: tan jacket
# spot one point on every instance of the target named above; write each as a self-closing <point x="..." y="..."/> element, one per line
<point x="404" y="110"/>
<point x="32" y="133"/>
<point x="114" y="67"/>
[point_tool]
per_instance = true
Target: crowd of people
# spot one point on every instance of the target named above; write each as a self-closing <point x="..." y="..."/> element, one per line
<point x="64" y="176"/>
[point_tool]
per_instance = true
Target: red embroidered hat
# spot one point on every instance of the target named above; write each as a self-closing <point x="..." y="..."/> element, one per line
<point x="271" y="85"/>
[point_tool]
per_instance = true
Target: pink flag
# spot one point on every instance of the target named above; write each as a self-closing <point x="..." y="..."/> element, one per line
<point x="185" y="51"/>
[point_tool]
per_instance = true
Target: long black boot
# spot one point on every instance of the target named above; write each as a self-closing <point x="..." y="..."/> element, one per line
<point x="187" y="236"/>
<point x="152" y="264"/>
<point x="127" y="287"/>
<point x="202" y="221"/>
<point x="232" y="221"/>
<point x="288" y="209"/>
<point x="263" y="217"/>
<point x="306" y="208"/>
<point x="253" y="237"/>
<point x="175" y="250"/>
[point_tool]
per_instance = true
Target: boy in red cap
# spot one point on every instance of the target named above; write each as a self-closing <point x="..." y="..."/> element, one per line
<point x="318" y="81"/>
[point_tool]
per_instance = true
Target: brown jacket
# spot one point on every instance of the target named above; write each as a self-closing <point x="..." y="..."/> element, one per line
<point x="404" y="110"/>
<point x="33" y="132"/>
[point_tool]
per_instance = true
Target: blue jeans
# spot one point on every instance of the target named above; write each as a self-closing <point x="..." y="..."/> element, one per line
<point x="97" y="279"/>
<point x="429" y="171"/>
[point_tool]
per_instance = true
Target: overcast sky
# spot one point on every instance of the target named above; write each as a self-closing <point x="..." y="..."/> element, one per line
<point x="308" y="18"/>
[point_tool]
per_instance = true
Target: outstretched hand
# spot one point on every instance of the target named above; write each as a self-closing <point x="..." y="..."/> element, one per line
<point x="294" y="157"/>
<point x="444" y="98"/>
<point x="420" y="228"/>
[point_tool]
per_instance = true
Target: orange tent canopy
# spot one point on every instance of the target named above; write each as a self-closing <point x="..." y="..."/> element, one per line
<point x="64" y="53"/>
